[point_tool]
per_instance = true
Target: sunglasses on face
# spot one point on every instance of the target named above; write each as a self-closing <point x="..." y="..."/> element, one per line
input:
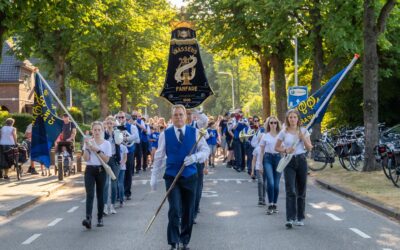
<point x="121" y="117"/>
<point x="256" y="120"/>
<point x="273" y="122"/>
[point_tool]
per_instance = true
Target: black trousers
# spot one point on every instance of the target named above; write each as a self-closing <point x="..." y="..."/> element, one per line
<point x="128" y="174"/>
<point x="295" y="185"/>
<point x="181" y="206"/>
<point x="200" y="174"/>
<point x="145" y="153"/>
<point x="138" y="156"/>
<point x="94" y="176"/>
<point x="239" y="153"/>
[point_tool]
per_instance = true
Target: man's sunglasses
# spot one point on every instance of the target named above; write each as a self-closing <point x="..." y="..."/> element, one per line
<point x="121" y="117"/>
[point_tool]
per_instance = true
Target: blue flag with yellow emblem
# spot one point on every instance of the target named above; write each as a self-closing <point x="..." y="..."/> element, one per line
<point x="46" y="126"/>
<point x="313" y="109"/>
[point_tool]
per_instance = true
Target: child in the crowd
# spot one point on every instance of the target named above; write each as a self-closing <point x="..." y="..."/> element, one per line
<point x="67" y="159"/>
<point x="257" y="172"/>
<point x="121" y="174"/>
<point x="212" y="142"/>
<point x="154" y="141"/>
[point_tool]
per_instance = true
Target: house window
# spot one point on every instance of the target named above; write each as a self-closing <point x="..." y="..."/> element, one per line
<point x="27" y="82"/>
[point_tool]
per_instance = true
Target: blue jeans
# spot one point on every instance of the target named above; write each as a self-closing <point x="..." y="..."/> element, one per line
<point x="271" y="176"/>
<point x="121" y="177"/>
<point x="115" y="168"/>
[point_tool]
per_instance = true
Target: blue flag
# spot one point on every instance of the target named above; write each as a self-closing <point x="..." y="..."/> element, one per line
<point x="318" y="102"/>
<point x="46" y="126"/>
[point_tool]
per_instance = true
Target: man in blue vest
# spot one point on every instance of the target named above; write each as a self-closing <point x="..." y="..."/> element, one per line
<point x="175" y="143"/>
<point x="239" y="123"/>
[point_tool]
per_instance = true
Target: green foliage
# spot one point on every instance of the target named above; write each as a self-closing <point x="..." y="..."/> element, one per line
<point x="76" y="114"/>
<point x="22" y="120"/>
<point x="3" y="116"/>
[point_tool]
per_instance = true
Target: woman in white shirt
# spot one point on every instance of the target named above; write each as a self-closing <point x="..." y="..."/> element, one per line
<point x="295" y="140"/>
<point x="270" y="159"/>
<point x="95" y="174"/>
<point x="8" y="138"/>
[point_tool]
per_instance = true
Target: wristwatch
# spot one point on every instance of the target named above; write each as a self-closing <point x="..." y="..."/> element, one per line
<point x="98" y="152"/>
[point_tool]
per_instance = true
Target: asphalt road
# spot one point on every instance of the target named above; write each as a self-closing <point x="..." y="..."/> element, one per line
<point x="229" y="219"/>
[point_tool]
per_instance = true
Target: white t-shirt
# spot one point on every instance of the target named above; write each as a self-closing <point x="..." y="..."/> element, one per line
<point x="124" y="151"/>
<point x="105" y="147"/>
<point x="269" y="142"/>
<point x="289" y="139"/>
<point x="7" y="135"/>
<point x="256" y="153"/>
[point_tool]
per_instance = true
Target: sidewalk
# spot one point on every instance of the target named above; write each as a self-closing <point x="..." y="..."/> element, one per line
<point x="372" y="189"/>
<point x="16" y="195"/>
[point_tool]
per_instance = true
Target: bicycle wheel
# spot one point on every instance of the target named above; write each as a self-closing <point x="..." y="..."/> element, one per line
<point x="345" y="163"/>
<point x="394" y="172"/>
<point x="319" y="158"/>
<point x="357" y="162"/>
<point x="385" y="167"/>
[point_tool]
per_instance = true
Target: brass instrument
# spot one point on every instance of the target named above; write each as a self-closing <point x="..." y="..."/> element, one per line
<point x="245" y="135"/>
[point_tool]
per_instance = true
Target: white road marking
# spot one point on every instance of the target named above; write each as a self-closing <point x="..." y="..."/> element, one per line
<point x="215" y="181"/>
<point x="333" y="217"/>
<point x="144" y="182"/>
<point x="72" y="209"/>
<point x="31" y="239"/>
<point x="238" y="182"/>
<point x="315" y="205"/>
<point x="83" y="201"/>
<point x="209" y="194"/>
<point x="386" y="249"/>
<point x="360" y="233"/>
<point x="54" y="222"/>
<point x="79" y="182"/>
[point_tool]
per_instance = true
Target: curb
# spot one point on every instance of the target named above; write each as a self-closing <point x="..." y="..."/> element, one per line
<point x="386" y="210"/>
<point x="36" y="198"/>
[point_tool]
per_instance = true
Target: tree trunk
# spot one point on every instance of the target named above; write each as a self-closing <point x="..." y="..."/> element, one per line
<point x="59" y="69"/>
<point x="265" y="86"/>
<point x="372" y="29"/>
<point x="318" y="58"/>
<point x="278" y="65"/>
<point x="102" y="86"/>
<point x="124" y="99"/>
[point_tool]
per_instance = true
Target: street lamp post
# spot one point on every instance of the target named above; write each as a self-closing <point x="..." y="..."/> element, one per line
<point x="233" y="90"/>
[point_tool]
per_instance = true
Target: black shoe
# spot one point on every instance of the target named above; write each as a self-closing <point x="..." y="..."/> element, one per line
<point x="275" y="209"/>
<point x="289" y="224"/>
<point x="185" y="247"/>
<point x="270" y="209"/>
<point x="6" y="177"/>
<point x="128" y="198"/>
<point x="34" y="172"/>
<point x="173" y="247"/>
<point x="87" y="223"/>
<point x="237" y="169"/>
<point x="100" y="223"/>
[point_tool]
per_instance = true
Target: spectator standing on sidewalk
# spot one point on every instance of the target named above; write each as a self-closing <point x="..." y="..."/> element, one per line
<point x="8" y="139"/>
<point x="28" y="137"/>
<point x="296" y="170"/>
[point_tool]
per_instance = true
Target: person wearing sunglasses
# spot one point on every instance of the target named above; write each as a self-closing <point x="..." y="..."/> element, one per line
<point x="270" y="160"/>
<point x="134" y="134"/>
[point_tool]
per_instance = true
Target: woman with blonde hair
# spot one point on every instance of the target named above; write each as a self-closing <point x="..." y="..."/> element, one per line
<point x="95" y="175"/>
<point x="270" y="160"/>
<point x="295" y="140"/>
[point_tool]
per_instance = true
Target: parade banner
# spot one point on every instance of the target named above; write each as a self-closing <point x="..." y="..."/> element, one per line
<point x="46" y="126"/>
<point x="313" y="109"/>
<point x="186" y="82"/>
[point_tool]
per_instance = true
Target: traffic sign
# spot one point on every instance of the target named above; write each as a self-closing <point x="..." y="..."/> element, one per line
<point x="296" y="95"/>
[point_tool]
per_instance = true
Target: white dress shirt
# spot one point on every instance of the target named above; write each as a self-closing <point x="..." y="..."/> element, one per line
<point x="202" y="152"/>
<point x="134" y="134"/>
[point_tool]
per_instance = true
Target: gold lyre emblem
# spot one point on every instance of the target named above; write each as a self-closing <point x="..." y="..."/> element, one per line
<point x="186" y="70"/>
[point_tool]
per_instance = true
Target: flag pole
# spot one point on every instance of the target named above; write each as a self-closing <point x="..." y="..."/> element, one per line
<point x="351" y="64"/>
<point x="105" y="165"/>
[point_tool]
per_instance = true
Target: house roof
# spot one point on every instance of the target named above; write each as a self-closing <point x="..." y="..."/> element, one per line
<point x="10" y="65"/>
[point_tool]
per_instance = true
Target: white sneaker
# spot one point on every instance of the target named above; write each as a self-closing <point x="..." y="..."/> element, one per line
<point x="112" y="209"/>
<point x="105" y="210"/>
<point x="299" y="223"/>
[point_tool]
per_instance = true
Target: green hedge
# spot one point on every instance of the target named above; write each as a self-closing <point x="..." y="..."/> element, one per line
<point x="22" y="120"/>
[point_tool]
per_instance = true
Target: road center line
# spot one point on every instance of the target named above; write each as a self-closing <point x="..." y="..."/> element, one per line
<point x="72" y="209"/>
<point x="54" y="222"/>
<point x="333" y="217"/>
<point x="215" y="181"/>
<point x="31" y="239"/>
<point x="360" y="233"/>
<point x="238" y="182"/>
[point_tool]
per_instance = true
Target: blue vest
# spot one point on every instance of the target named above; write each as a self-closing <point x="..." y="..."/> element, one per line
<point x="131" y="149"/>
<point x="239" y="128"/>
<point x="176" y="151"/>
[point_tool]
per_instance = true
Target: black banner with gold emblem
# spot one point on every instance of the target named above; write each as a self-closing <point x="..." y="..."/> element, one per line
<point x="186" y="82"/>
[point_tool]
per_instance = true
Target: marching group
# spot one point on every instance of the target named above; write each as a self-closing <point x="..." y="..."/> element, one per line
<point x="245" y="144"/>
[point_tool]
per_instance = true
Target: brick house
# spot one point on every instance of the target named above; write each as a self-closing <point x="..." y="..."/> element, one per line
<point x="16" y="82"/>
